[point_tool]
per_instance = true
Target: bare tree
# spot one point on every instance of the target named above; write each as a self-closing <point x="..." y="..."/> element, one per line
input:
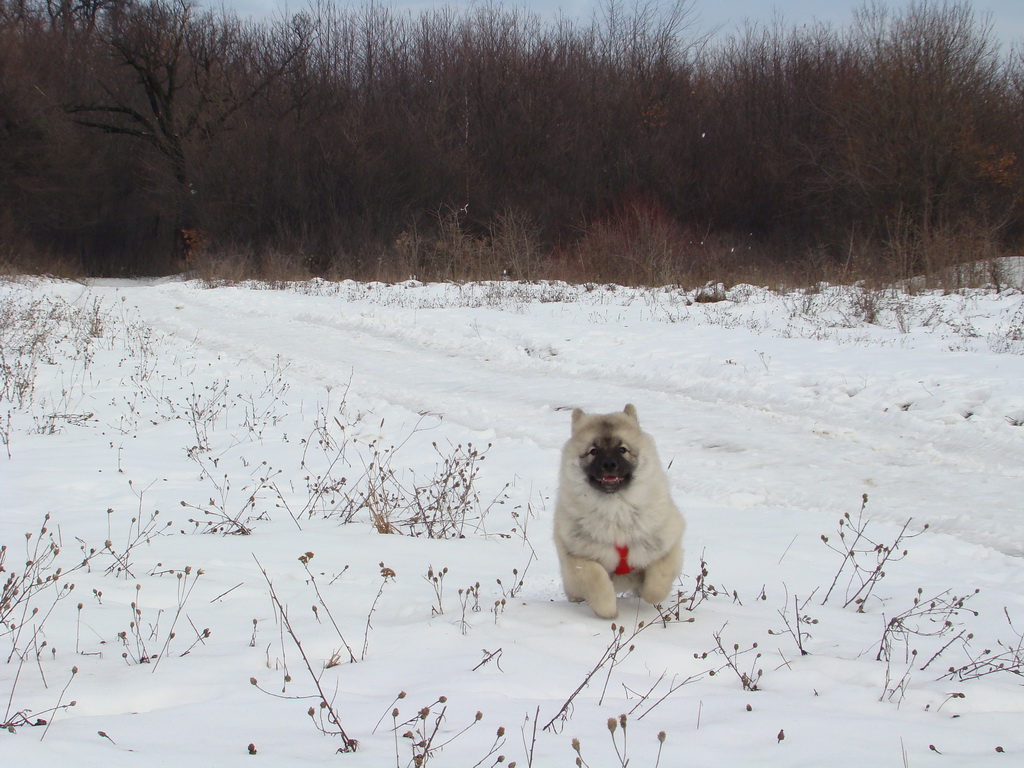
<point x="911" y="138"/>
<point x="188" y="74"/>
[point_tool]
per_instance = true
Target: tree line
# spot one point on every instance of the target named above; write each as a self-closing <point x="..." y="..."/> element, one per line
<point x="139" y="136"/>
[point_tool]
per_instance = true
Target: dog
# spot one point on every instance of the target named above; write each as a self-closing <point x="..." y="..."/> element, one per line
<point x="616" y="526"/>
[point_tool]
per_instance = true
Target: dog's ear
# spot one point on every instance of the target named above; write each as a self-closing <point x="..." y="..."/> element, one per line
<point x="630" y="410"/>
<point x="577" y="414"/>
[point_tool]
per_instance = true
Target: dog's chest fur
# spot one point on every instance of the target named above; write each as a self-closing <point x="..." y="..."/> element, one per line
<point x="596" y="523"/>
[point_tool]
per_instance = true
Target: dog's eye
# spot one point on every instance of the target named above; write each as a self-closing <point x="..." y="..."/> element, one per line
<point x="592" y="452"/>
<point x="623" y="449"/>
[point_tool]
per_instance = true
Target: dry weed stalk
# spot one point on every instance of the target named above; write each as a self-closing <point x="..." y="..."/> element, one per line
<point x="12" y="720"/>
<point x="864" y="577"/>
<point x="932" y="617"/>
<point x="1009" y="658"/>
<point x="618" y="649"/>
<point x="304" y="559"/>
<point x="749" y="680"/>
<point x="23" y="621"/>
<point x="139" y="532"/>
<point x="621" y="646"/>
<point x="619" y="725"/>
<point x="324" y="717"/>
<point x="24" y="585"/>
<point x="423" y="734"/>
<point x="220" y="510"/>
<point x="386" y="575"/>
<point x="135" y="640"/>
<point x="610" y="656"/>
<point x="926" y="618"/>
<point x="794" y="626"/>
<point x="441" y="506"/>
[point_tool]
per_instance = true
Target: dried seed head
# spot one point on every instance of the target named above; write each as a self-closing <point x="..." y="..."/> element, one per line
<point x="612" y="723"/>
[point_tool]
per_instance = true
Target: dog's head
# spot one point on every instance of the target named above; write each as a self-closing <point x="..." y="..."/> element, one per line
<point x="608" y="447"/>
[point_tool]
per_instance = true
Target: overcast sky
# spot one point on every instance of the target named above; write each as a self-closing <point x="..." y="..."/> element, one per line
<point x="1007" y="16"/>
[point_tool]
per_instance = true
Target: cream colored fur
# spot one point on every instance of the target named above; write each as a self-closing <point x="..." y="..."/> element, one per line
<point x="590" y="523"/>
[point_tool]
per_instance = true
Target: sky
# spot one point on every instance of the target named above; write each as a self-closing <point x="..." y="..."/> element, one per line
<point x="1007" y="16"/>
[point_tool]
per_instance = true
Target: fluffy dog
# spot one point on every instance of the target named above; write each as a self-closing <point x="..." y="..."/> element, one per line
<point x="616" y="527"/>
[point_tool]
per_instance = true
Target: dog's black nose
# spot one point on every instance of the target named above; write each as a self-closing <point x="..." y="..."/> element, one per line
<point x="610" y="466"/>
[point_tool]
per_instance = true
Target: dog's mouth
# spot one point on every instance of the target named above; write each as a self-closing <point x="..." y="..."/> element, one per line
<point x="609" y="483"/>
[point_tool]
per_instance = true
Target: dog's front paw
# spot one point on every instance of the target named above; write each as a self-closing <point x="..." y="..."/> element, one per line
<point x="655" y="590"/>
<point x="604" y="606"/>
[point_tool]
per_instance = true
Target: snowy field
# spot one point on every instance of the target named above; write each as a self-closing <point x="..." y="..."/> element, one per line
<point x="312" y="525"/>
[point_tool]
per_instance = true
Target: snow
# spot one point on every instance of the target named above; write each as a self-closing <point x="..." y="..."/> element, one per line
<point x="152" y="412"/>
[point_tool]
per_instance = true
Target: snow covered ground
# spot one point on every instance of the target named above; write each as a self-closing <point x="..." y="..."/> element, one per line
<point x="221" y="467"/>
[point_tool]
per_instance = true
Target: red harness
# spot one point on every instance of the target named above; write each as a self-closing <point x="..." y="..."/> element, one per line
<point x="623" y="567"/>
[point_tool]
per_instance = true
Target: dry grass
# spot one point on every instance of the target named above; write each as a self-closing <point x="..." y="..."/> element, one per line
<point x="28" y="261"/>
<point x="637" y="244"/>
